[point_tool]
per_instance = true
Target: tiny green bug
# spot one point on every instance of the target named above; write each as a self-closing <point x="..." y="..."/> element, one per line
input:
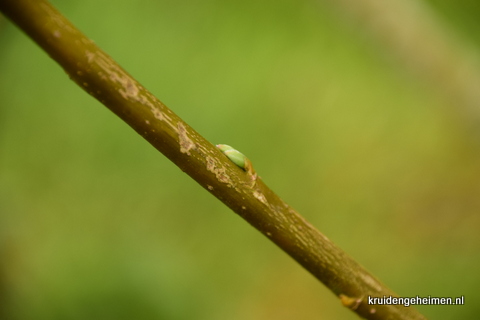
<point x="239" y="159"/>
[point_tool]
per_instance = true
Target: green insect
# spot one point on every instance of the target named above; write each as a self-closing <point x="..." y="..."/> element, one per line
<point x="239" y="159"/>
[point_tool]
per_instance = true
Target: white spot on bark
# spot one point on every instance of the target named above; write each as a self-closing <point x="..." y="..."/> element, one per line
<point x="220" y="172"/>
<point x="260" y="197"/>
<point x="186" y="144"/>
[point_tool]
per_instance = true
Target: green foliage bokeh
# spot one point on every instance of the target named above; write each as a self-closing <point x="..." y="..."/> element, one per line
<point x="95" y="223"/>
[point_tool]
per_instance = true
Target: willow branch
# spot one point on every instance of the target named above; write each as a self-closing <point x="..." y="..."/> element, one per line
<point x="96" y="73"/>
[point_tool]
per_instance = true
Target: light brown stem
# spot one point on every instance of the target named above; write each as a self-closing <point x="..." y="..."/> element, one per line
<point x="96" y="73"/>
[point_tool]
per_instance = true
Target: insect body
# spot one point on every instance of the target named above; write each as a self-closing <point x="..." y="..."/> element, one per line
<point x="239" y="159"/>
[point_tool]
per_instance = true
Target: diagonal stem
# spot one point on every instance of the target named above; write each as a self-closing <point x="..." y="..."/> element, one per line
<point x="96" y="73"/>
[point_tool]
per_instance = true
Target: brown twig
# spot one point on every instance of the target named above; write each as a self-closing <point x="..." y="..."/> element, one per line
<point x="96" y="73"/>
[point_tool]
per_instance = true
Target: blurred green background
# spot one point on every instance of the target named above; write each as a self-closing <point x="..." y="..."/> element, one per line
<point x="95" y="223"/>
